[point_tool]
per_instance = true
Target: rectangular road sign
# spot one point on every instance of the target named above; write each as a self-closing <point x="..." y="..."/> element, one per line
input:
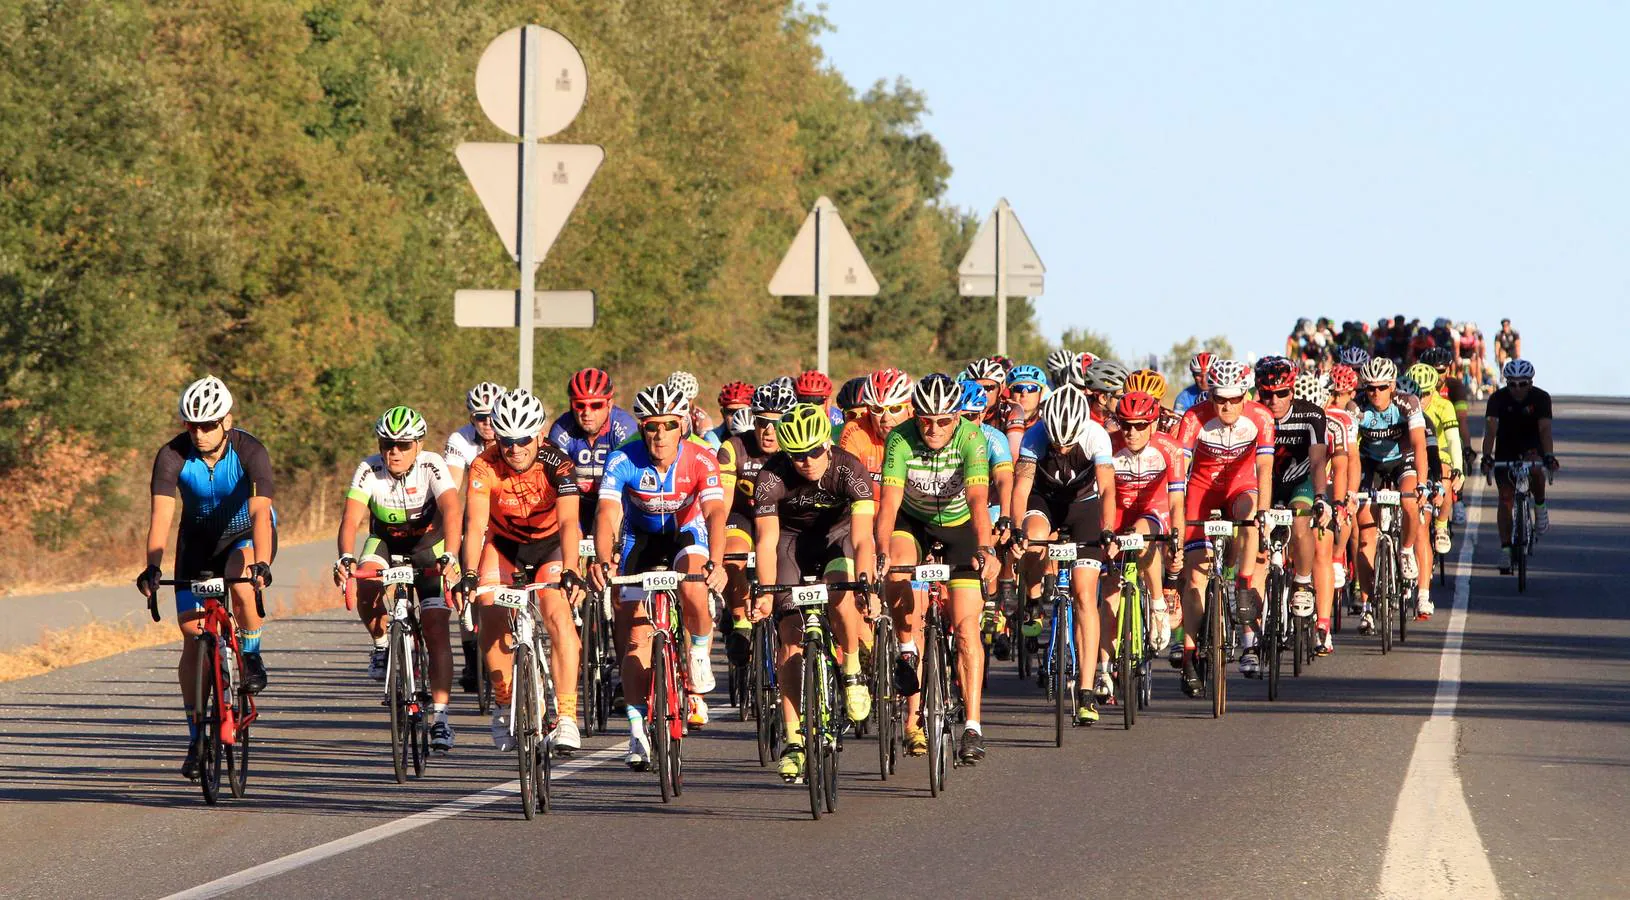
<point x="497" y="309"/>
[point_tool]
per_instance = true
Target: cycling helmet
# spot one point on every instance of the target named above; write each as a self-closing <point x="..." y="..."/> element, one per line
<point x="886" y="387"/>
<point x="736" y="393"/>
<point x="788" y="380"/>
<point x="1065" y="414"/>
<point x="1353" y="357"/>
<point x="1471" y="327"/>
<point x="1517" y="368"/>
<point x="936" y="395"/>
<point x="1106" y="376"/>
<point x="1379" y="371"/>
<point x="1343" y="380"/>
<point x="1438" y="356"/>
<point x="849" y="394"/>
<point x="804" y="428"/>
<point x="1425" y="376"/>
<point x="1084" y="359"/>
<point x="1059" y="362"/>
<point x="1138" y="406"/>
<point x="1146" y="381"/>
<point x="660" y="399"/>
<point x="685" y="383"/>
<point x="401" y="423"/>
<point x="813" y="384"/>
<point x="205" y="400"/>
<point x="974" y="398"/>
<point x="1199" y="364"/>
<point x="1027" y="374"/>
<point x="1407" y="385"/>
<point x="589" y="384"/>
<point x="480" y="399"/>
<point x="518" y="414"/>
<point x="775" y="397"/>
<point x="741" y="421"/>
<point x="986" y="369"/>
<point x="1227" y="378"/>
<point x="1310" y="387"/>
<point x="1440" y="322"/>
<point x="1275" y="373"/>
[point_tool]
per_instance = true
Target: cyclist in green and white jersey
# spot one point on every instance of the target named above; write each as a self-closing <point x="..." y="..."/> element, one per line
<point x="408" y="498"/>
<point x="936" y="472"/>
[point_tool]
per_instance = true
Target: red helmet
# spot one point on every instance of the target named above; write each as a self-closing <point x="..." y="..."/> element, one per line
<point x="1275" y="373"/>
<point x="736" y="393"/>
<point x="1199" y="364"/>
<point x="1138" y="407"/>
<point x="813" y="384"/>
<point x="1343" y="380"/>
<point x="589" y="384"/>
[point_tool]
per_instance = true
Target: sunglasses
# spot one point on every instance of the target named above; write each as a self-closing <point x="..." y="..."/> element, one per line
<point x="659" y="427"/>
<point x="973" y="415"/>
<point x="988" y="388"/>
<point x="1377" y="388"/>
<point x="481" y="418"/>
<point x="1227" y="401"/>
<point x="1136" y="426"/>
<point x="895" y="410"/>
<point x="403" y="446"/>
<point x="1025" y="388"/>
<point x="764" y="422"/>
<point x="816" y="399"/>
<point x="506" y="443"/>
<point x="204" y="427"/>
<point x="1519" y="384"/>
<point x="937" y="421"/>
<point x="1271" y="395"/>
<point x="816" y="453"/>
<point x="588" y="405"/>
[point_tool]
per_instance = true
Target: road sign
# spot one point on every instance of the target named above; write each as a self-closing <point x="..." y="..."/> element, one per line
<point x="531" y="83"/>
<point x="823" y="262"/>
<point x="501" y="309"/>
<point x="561" y="174"/>
<point x="1001" y="262"/>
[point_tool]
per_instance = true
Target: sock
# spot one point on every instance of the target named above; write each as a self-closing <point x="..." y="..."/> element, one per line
<point x="1425" y="593"/>
<point x="249" y="641"/>
<point x="741" y="623"/>
<point x="1304" y="580"/>
<point x="1103" y="665"/>
<point x="851" y="663"/>
<point x="698" y="640"/>
<point x="973" y="726"/>
<point x="382" y="642"/>
<point x="192" y="727"/>
<point x="440" y="711"/>
<point x="1323" y="624"/>
<point x="795" y="726"/>
<point x="1539" y="506"/>
<point x="636" y="713"/>
<point x="566" y="705"/>
<point x="908" y="647"/>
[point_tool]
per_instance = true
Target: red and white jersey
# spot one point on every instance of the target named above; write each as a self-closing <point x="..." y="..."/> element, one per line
<point x="1143" y="479"/>
<point x="1217" y="448"/>
<point x="1343" y="431"/>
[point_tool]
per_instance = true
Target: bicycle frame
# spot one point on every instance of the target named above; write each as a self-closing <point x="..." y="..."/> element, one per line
<point x="1388" y="570"/>
<point x="941" y="689"/>
<point x="665" y="697"/>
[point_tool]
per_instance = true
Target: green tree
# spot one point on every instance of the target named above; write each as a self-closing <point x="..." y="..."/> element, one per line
<point x="1176" y="362"/>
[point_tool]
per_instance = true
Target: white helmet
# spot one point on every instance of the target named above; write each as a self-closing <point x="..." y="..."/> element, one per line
<point x="1065" y="414"/>
<point x="1228" y="378"/>
<point x="887" y="387"/>
<point x="774" y="397"/>
<point x="1059" y="363"/>
<point x="741" y="421"/>
<point x="986" y="369"/>
<point x="936" y="395"/>
<point x="517" y="414"/>
<point x="685" y="383"/>
<point x="1311" y="388"/>
<point x="1379" y="370"/>
<point x="1517" y="368"/>
<point x="205" y="400"/>
<point x="480" y="399"/>
<point x="661" y="399"/>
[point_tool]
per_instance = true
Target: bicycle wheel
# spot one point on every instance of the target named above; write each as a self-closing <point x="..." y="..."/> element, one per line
<point x="933" y="705"/>
<point x="588" y="696"/>
<point x="207" y="718"/>
<point x="1058" y="667"/>
<point x="832" y="718"/>
<point x="1146" y="653"/>
<point x="1301" y="644"/>
<point x="809" y="707"/>
<point x="420" y="708"/>
<point x="657" y="724"/>
<point x="524" y="692"/>
<point x="543" y="700"/>
<point x="1386" y="589"/>
<point x="1272" y="623"/>
<point x="1216" y="636"/>
<point x="1519" y="543"/>
<point x="396" y="698"/>
<point x="237" y="753"/>
<point x="883" y="701"/>
<point x="1125" y="677"/>
<point x="768" y="694"/>
<point x="1023" y="653"/>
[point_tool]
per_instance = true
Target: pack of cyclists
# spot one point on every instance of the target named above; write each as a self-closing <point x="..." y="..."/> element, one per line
<point x="806" y="481"/>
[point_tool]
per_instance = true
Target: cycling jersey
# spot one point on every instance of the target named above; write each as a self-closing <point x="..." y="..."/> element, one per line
<point x="1467" y="345"/>
<point x="1383" y="434"/>
<point x="521" y="506"/>
<point x="1217" y="450"/>
<point x="1294" y="436"/>
<point x="1069" y="476"/>
<point x="588" y="454"/>
<point x="861" y="440"/>
<point x="1507" y="342"/>
<point x="1143" y="480"/>
<point x="822" y="506"/>
<point x="936" y="481"/>
<point x="1169" y="422"/>
<point x="656" y="502"/>
<point x="996" y="444"/>
<point x="462" y="447"/>
<point x="1341" y="430"/>
<point x="1455" y="391"/>
<point x="214" y="500"/>
<point x="718" y="434"/>
<point x="1443" y="429"/>
<point x="400" y="507"/>
<point x="1516" y="433"/>
<point x="740" y="459"/>
<point x="1188" y="397"/>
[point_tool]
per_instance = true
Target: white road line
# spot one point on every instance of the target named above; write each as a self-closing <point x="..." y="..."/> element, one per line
<point x="303" y="858"/>
<point x="1433" y="849"/>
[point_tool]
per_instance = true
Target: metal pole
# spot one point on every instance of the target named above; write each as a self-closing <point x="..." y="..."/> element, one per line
<point x="1001" y="278"/>
<point x="823" y="300"/>
<point x="524" y="239"/>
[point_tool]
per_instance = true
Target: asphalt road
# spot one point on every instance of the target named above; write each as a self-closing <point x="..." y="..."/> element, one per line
<point x="1317" y="795"/>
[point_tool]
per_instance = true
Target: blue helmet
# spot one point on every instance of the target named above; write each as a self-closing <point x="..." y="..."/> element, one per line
<point x="1353" y="357"/>
<point x="974" y="398"/>
<point x="1032" y="374"/>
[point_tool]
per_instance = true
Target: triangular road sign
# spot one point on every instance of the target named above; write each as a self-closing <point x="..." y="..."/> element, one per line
<point x="1024" y="267"/>
<point x="846" y="273"/>
<point x="563" y="172"/>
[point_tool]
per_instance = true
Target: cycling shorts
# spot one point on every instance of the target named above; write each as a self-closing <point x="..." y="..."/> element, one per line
<point x="740" y="527"/>
<point x="194" y="559"/>
<point x="960" y="545"/>
<point x="1204" y="497"/>
<point x="501" y="557"/>
<point x="1160" y="521"/>
<point x="1434" y="464"/>
<point x="643" y="552"/>
<point x="821" y="554"/>
<point x="1083" y="519"/>
<point x="1297" y="496"/>
<point x="1398" y="474"/>
<point x="421" y="552"/>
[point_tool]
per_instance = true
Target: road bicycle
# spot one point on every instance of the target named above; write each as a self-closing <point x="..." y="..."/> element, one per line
<point x="1224" y="620"/>
<point x="739" y="678"/>
<point x="532" y="700"/>
<point x="407" y="668"/>
<point x="223" y="706"/>
<point x="888" y="707"/>
<point x="1133" y="655"/>
<point x="1282" y="629"/>
<point x="1389" y="596"/>
<point x="599" y="655"/>
<point x="941" y="684"/>
<point x="1057" y="669"/>
<point x="1523" y="527"/>
<point x="666" y="698"/>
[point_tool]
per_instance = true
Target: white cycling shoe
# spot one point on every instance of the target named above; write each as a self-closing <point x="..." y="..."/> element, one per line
<point x="701" y="670"/>
<point x="1406" y="562"/>
<point x="639" y="750"/>
<point x="567" y="739"/>
<point x="501" y="738"/>
<point x="1301" y="602"/>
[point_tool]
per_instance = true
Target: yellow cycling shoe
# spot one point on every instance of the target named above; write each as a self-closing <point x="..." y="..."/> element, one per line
<point x="857" y="699"/>
<point x="916" y="742"/>
<point x="791" y="765"/>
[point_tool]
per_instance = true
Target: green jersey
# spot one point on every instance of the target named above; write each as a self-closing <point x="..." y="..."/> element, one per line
<point x="936" y="481"/>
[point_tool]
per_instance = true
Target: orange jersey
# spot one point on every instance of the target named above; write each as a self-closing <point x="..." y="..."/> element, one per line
<point x="522" y="505"/>
<point x="859" y="439"/>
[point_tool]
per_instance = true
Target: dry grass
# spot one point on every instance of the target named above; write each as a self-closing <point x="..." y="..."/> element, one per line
<point x="97" y="640"/>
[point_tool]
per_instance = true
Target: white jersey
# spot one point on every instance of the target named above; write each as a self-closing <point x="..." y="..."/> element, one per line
<point x="463" y="446"/>
<point x="405" y="506"/>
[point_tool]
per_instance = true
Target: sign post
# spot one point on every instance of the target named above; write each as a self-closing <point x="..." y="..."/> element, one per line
<point x="531" y="83"/>
<point x="823" y="262"/>
<point x="1001" y="262"/>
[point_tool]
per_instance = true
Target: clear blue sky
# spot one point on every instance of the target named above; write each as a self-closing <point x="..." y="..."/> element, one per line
<point x="1232" y="166"/>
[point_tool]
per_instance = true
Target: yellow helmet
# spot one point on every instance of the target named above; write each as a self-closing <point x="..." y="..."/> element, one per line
<point x="1146" y="381"/>
<point x="803" y="429"/>
<point x="1426" y="376"/>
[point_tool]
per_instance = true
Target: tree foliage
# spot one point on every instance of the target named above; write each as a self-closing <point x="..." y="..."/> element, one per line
<point x="1176" y="363"/>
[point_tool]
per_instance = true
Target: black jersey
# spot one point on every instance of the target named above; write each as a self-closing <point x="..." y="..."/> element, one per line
<point x="1517" y="431"/>
<point x="820" y="506"/>
<point x="1294" y="436"/>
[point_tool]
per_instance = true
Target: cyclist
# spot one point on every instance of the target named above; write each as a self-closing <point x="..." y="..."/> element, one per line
<point x="1195" y="392"/>
<point x="813" y="504"/>
<point x="887" y="399"/>
<point x="1469" y="350"/>
<point x="1148" y="381"/>
<point x="936" y="472"/>
<point x="733" y="398"/>
<point x="1065" y="478"/>
<point x="1332" y="393"/>
<point x="463" y="446"/>
<point x="849" y="403"/>
<point x="697" y="422"/>
<point x="1149" y="472"/>
<point x="589" y="432"/>
<point x="1507" y="345"/>
<point x="974" y="402"/>
<point x="410" y="503"/>
<point x="524" y="499"/>
<point x="1026" y="387"/>
<point x="1443" y="446"/>
<point x="1058" y="365"/>
<point x="1301" y="468"/>
<point x="1392" y="449"/>
<point x="228" y="528"/>
<point x="1104" y="382"/>
<point x="1453" y="389"/>
<point x="740" y="459"/>
<point x="1517" y="426"/>
<point x="991" y="376"/>
<point x="815" y="388"/>
<point x="1229" y="443"/>
<point x="661" y="504"/>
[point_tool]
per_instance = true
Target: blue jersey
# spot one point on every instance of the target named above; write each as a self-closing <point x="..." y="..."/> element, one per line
<point x="588" y="455"/>
<point x="214" y="500"/>
<point x="1187" y="397"/>
<point x="996" y="444"/>
<point x="657" y="502"/>
<point x="717" y="435"/>
<point x="1383" y="434"/>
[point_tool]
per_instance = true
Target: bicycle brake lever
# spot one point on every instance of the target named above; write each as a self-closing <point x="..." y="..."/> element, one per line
<point x="152" y="605"/>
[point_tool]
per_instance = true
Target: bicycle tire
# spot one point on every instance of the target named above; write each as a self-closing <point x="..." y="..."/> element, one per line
<point x="418" y="716"/>
<point x="1125" y="677"/>
<point x="395" y="699"/>
<point x="484" y="691"/>
<point x="543" y="773"/>
<point x="768" y="695"/>
<point x="237" y="753"/>
<point x="1381" y="596"/>
<point x="1300" y="631"/>
<point x="833" y="719"/>
<point x="1519" y="543"/>
<point x="524" y="697"/>
<point x="543" y="738"/>
<point x="1022" y="653"/>
<point x="208" y="713"/>
<point x="1273" y="643"/>
<point x="589" y="694"/>
<point x="883" y="695"/>
<point x="810" y="731"/>
<point x="1145" y="679"/>
<point x="1216" y="662"/>
<point x="661" y="737"/>
<point x="933" y="705"/>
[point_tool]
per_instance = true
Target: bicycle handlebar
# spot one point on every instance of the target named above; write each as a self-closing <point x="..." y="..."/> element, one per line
<point x="152" y="601"/>
<point x="639" y="578"/>
<point x="864" y="587"/>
